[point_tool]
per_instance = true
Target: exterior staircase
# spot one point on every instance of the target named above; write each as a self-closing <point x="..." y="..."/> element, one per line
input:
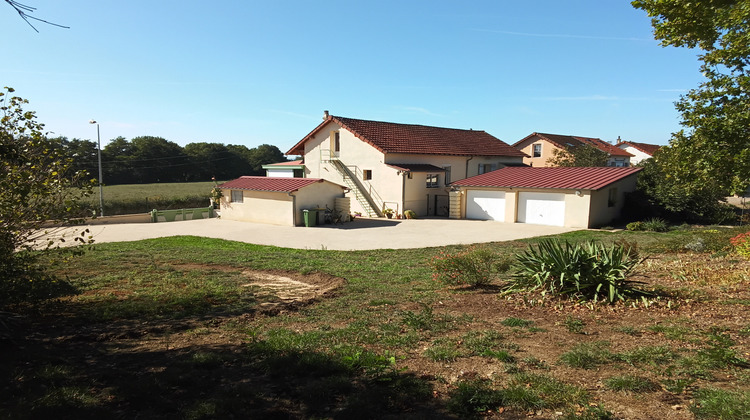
<point x="366" y="199"/>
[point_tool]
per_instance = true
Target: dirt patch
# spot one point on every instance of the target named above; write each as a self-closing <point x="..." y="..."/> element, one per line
<point x="293" y="288"/>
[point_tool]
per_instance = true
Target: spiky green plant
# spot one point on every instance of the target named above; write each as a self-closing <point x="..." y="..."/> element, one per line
<point x="589" y="270"/>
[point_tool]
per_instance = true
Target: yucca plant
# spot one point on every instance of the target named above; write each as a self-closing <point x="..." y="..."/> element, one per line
<point x="590" y="270"/>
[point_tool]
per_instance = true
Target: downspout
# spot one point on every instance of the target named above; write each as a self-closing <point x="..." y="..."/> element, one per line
<point x="403" y="191"/>
<point x="466" y="175"/>
<point x="294" y="208"/>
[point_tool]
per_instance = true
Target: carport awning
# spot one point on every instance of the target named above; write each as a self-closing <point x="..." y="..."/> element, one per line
<point x="416" y="167"/>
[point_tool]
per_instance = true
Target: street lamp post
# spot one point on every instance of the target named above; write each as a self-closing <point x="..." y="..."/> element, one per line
<point x="99" y="153"/>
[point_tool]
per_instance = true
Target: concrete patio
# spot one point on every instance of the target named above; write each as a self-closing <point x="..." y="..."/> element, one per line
<point x="361" y="234"/>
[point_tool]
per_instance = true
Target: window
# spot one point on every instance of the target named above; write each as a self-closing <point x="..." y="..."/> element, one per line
<point x="612" y="197"/>
<point x="237" y="196"/>
<point x="447" y="175"/>
<point x="336" y="142"/>
<point x="537" y="150"/>
<point x="367" y="174"/>
<point x="486" y="167"/>
<point x="432" y="180"/>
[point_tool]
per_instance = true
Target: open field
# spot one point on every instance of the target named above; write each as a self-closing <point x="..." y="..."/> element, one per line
<point x="188" y="327"/>
<point x="142" y="198"/>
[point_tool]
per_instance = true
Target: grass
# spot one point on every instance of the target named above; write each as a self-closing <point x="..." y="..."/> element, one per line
<point x="142" y="198"/>
<point x="168" y="328"/>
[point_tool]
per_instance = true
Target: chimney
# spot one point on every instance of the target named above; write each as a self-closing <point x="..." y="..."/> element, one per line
<point x="325" y="114"/>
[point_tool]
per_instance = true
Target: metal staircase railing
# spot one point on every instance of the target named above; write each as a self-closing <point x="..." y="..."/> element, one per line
<point x="364" y="196"/>
<point x="368" y="198"/>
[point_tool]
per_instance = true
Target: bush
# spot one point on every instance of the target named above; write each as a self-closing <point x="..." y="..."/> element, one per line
<point x="588" y="270"/>
<point x="410" y="214"/>
<point x="741" y="244"/>
<point x="655" y="224"/>
<point x="475" y="267"/>
<point x="635" y="226"/>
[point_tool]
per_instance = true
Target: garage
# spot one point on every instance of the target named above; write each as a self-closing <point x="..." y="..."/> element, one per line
<point x="541" y="208"/>
<point x="551" y="196"/>
<point x="485" y="205"/>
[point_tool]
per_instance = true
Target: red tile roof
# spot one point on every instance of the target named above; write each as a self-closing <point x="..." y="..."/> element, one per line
<point x="276" y="184"/>
<point x="563" y="141"/>
<point x="417" y="139"/>
<point x="562" y="178"/>
<point x="646" y="148"/>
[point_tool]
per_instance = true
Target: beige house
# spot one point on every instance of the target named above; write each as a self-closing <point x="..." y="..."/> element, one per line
<point x="540" y="148"/>
<point x="277" y="201"/>
<point x="399" y="166"/>
<point x="570" y="197"/>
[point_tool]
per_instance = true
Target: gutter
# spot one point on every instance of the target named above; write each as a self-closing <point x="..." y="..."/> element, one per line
<point x="466" y="175"/>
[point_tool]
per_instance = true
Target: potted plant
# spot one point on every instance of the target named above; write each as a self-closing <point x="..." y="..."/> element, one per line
<point x="388" y="213"/>
<point x="410" y="214"/>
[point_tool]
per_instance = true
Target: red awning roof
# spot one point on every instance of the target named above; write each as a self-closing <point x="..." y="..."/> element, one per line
<point x="416" y="167"/>
<point x="553" y="178"/>
<point x="276" y="184"/>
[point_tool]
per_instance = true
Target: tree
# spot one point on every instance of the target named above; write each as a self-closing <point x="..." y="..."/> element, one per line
<point x="714" y="147"/>
<point x="583" y="155"/>
<point x="37" y="187"/>
<point x="263" y="155"/>
<point x="23" y="10"/>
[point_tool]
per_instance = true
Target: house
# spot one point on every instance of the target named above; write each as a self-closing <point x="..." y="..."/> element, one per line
<point x="640" y="151"/>
<point x="399" y="166"/>
<point x="540" y="148"/>
<point x="556" y="196"/>
<point x="278" y="201"/>
<point x="289" y="169"/>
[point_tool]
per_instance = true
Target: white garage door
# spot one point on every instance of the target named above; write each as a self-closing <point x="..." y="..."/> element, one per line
<point x="541" y="208"/>
<point x="485" y="205"/>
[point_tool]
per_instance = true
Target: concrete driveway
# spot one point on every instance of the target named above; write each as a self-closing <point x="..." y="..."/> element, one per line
<point x="360" y="234"/>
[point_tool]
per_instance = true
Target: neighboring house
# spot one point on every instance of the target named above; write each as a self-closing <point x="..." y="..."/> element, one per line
<point x="290" y="169"/>
<point x="640" y="151"/>
<point x="399" y="166"/>
<point x="540" y="148"/>
<point x="571" y="197"/>
<point x="277" y="201"/>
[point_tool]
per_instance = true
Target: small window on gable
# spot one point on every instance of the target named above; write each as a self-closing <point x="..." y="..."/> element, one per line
<point x="237" y="196"/>
<point x="432" y="180"/>
<point x="537" y="150"/>
<point x="612" y="197"/>
<point x="367" y="174"/>
<point x="336" y="142"/>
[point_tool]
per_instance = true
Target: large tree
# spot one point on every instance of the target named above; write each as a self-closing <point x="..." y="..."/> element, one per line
<point x="583" y="155"/>
<point x="37" y="187"/>
<point x="713" y="151"/>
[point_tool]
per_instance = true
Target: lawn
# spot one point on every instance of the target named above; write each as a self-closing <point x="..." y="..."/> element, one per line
<point x="189" y="327"/>
<point x="142" y="198"/>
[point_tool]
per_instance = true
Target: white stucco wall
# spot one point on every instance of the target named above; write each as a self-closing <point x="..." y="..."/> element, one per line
<point x="638" y="156"/>
<point x="317" y="195"/>
<point x="274" y="208"/>
<point x="601" y="214"/>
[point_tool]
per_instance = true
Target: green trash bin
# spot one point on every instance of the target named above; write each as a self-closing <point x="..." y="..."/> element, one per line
<point x="311" y="216"/>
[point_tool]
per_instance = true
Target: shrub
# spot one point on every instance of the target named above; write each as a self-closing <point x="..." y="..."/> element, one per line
<point x="655" y="224"/>
<point x="588" y="270"/>
<point x="410" y="214"/>
<point x="741" y="244"/>
<point x="475" y="267"/>
<point x="635" y="226"/>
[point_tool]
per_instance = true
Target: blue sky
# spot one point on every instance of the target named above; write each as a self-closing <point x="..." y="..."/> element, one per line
<point x="252" y="72"/>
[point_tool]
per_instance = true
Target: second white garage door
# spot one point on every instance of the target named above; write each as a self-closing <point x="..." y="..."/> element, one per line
<point x="541" y="208"/>
<point x="485" y="205"/>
